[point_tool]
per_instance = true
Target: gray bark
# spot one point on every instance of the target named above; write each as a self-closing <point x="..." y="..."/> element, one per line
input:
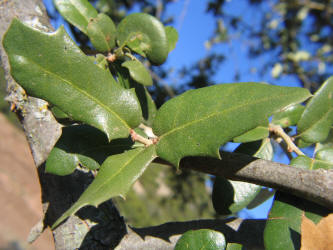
<point x="313" y="185"/>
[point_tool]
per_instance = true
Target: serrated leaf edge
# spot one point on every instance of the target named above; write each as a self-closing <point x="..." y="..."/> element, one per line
<point x="215" y="114"/>
<point x="72" y="210"/>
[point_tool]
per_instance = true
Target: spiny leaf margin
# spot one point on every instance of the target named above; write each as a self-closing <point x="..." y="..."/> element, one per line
<point x="199" y="121"/>
<point x="115" y="177"/>
<point x="51" y="67"/>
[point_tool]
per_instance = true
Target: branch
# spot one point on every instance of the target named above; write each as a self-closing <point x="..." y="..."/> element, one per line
<point x="291" y="147"/>
<point x="313" y="185"/>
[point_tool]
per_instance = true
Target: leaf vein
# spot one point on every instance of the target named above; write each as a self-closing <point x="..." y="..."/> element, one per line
<point x="83" y="92"/>
<point x="214" y="114"/>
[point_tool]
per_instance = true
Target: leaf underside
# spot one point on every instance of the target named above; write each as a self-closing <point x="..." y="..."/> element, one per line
<point x="115" y="177"/>
<point x="51" y="67"/>
<point x="230" y="196"/>
<point x="197" y="122"/>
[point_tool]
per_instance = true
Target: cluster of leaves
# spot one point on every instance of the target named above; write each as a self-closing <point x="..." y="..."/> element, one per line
<point x="118" y="131"/>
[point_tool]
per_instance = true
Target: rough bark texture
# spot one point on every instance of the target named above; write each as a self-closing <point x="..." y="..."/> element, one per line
<point x="93" y="228"/>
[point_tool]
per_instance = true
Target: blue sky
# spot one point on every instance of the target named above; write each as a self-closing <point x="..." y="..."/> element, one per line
<point x="195" y="27"/>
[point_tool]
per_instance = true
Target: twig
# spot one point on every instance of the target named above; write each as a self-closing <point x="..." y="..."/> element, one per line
<point x="313" y="185"/>
<point x="141" y="139"/>
<point x="148" y="131"/>
<point x="277" y="129"/>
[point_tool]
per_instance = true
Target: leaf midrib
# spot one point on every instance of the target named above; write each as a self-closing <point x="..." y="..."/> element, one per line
<point x="83" y="92"/>
<point x="215" y="114"/>
<point x="78" y="10"/>
<point x="118" y="171"/>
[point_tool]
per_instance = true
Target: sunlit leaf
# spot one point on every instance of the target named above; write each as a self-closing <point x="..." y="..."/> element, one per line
<point x="317" y="118"/>
<point x="328" y="143"/>
<point x="172" y="36"/>
<point x="102" y="33"/>
<point x="204" y="239"/>
<point x="255" y="134"/>
<point x="222" y="112"/>
<point x="115" y="177"/>
<point x="145" y="35"/>
<point x="76" y="12"/>
<point x="51" y="67"/>
<point x="138" y="72"/>
<point x="325" y="154"/>
<point x="306" y="162"/>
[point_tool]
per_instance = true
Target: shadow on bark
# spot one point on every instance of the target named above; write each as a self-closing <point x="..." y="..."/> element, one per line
<point x="249" y="233"/>
<point x="103" y="226"/>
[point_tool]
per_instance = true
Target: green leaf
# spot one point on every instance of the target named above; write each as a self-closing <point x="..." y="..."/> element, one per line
<point x="262" y="196"/>
<point x="288" y="116"/>
<point x="325" y="154"/>
<point x="283" y="227"/>
<point x="256" y="134"/>
<point x="102" y="33"/>
<point x="51" y="67"/>
<point x="82" y="145"/>
<point x="328" y="143"/>
<point x="172" y="36"/>
<point x="305" y="162"/>
<point x="115" y="177"/>
<point x="145" y="35"/>
<point x="138" y="72"/>
<point x="222" y="112"/>
<point x="148" y="106"/>
<point x="302" y="144"/>
<point x="76" y="12"/>
<point x="234" y="246"/>
<point x="58" y="113"/>
<point x="101" y="61"/>
<point x="204" y="239"/>
<point x="317" y="118"/>
<point x="229" y="196"/>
